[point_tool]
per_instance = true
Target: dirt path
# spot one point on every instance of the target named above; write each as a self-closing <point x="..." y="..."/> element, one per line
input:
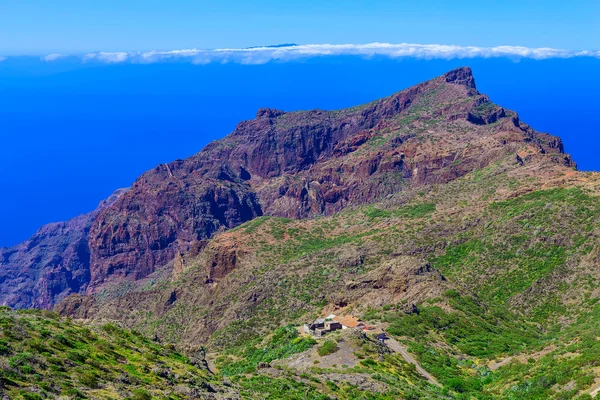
<point x="494" y="365"/>
<point x="398" y="347"/>
<point x="595" y="391"/>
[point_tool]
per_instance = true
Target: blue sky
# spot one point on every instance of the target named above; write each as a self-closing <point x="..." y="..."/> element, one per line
<point x="37" y="27"/>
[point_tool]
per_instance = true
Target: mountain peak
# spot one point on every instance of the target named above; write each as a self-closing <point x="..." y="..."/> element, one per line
<point x="461" y="76"/>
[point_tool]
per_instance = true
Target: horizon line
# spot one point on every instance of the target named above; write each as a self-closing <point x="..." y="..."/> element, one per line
<point x="292" y="52"/>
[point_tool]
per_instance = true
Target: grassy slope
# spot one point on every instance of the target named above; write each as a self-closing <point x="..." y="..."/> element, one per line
<point x="45" y="356"/>
<point x="528" y="260"/>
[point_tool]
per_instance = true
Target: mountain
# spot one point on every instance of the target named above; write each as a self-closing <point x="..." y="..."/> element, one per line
<point x="288" y="164"/>
<point x="434" y="215"/>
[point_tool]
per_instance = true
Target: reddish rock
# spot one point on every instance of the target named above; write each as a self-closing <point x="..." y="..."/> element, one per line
<point x="52" y="264"/>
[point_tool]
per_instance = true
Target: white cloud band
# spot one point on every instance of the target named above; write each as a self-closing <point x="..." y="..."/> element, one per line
<point x="261" y="55"/>
<point x="53" y="57"/>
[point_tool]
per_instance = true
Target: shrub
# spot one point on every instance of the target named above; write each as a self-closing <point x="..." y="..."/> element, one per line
<point x="62" y="339"/>
<point x="89" y="379"/>
<point x="30" y="395"/>
<point x="140" y="394"/>
<point x="328" y="347"/>
<point x="4" y="347"/>
<point x="76" y="356"/>
<point x="20" y="359"/>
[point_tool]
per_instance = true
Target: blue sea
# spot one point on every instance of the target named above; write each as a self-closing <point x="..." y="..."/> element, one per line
<point x="73" y="132"/>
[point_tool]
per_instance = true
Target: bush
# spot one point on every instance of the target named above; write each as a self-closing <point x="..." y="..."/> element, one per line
<point x="4" y="347"/>
<point x="89" y="379"/>
<point x="328" y="347"/>
<point x="76" y="356"/>
<point x="30" y="395"/>
<point x="141" y="394"/>
<point x="20" y="359"/>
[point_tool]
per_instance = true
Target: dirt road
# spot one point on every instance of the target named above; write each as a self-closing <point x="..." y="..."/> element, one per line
<point x="399" y="348"/>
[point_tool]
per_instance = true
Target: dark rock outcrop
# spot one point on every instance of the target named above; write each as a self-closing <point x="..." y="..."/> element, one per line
<point x="52" y="264"/>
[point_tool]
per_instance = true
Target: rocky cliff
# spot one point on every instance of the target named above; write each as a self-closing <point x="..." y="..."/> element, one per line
<point x="52" y="264"/>
<point x="296" y="165"/>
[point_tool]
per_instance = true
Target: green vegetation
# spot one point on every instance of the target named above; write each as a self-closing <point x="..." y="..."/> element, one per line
<point x="328" y="347"/>
<point x="519" y="245"/>
<point x="45" y="356"/>
<point x="408" y="211"/>
<point x="484" y="109"/>
<point x="283" y="343"/>
<point x="539" y="365"/>
<point x="474" y="329"/>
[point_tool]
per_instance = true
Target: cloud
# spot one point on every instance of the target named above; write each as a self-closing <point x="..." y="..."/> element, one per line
<point x="108" y="57"/>
<point x="53" y="57"/>
<point x="264" y="54"/>
<point x="2" y="58"/>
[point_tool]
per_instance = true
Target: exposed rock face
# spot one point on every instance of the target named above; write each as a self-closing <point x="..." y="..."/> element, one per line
<point x="403" y="278"/>
<point x="299" y="165"/>
<point x="163" y="214"/>
<point x="296" y="164"/>
<point x="52" y="264"/>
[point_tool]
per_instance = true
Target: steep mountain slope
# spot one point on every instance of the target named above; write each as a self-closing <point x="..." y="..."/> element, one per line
<point x="303" y="164"/>
<point x="420" y="140"/>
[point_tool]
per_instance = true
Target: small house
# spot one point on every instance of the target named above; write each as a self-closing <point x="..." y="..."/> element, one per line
<point x="316" y="324"/>
<point x="321" y="326"/>
<point x="332" y="325"/>
<point x="348" y="321"/>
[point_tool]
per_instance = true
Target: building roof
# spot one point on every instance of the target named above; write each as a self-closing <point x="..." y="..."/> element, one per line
<point x="348" y="321"/>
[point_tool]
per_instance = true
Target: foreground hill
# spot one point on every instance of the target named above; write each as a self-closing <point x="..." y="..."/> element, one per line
<point x="45" y="356"/>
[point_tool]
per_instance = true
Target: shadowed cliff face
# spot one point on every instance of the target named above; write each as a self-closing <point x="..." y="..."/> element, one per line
<point x="52" y="264"/>
<point x="304" y="164"/>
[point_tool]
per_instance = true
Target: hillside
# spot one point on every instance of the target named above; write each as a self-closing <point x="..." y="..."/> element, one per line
<point x="434" y="215"/>
<point x="497" y="266"/>
<point x="46" y="356"/>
